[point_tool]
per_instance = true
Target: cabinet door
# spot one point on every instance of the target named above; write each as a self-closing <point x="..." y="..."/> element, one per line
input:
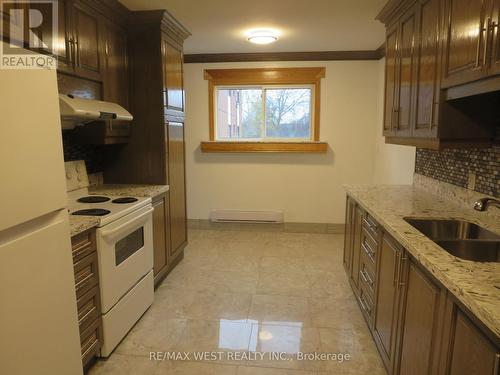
<point x="115" y="64"/>
<point x="159" y="237"/>
<point x="173" y="78"/>
<point x="465" y="41"/>
<point x="13" y="26"/>
<point x="391" y="82"/>
<point x="470" y="351"/>
<point x="406" y="76"/>
<point x="115" y="78"/>
<point x="349" y="211"/>
<point x="86" y="42"/>
<point x="429" y="13"/>
<point x="177" y="183"/>
<point x="386" y="301"/>
<point x="419" y="323"/>
<point x="356" y="244"/>
<point x="42" y="36"/>
<point x="495" y="39"/>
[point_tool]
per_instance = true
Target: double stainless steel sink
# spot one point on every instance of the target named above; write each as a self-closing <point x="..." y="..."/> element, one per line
<point x="460" y="238"/>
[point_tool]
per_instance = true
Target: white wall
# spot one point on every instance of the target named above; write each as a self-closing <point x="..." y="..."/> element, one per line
<point x="307" y="187"/>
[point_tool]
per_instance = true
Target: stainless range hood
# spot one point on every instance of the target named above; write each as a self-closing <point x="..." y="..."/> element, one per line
<point x="79" y="111"/>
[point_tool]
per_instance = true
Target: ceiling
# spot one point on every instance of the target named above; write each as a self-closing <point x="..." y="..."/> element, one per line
<point x="220" y="26"/>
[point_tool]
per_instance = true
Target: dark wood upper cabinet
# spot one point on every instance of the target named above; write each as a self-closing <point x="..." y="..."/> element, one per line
<point x="495" y="38"/>
<point x="391" y="84"/>
<point x="465" y="56"/>
<point x="115" y="64"/>
<point x="427" y="68"/>
<point x="430" y="46"/>
<point x="97" y="54"/>
<point x="86" y="41"/>
<point x="406" y="77"/>
<point x="173" y="84"/>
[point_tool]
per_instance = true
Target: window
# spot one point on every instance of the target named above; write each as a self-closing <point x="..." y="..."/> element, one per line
<point x="253" y="110"/>
<point x="264" y="113"/>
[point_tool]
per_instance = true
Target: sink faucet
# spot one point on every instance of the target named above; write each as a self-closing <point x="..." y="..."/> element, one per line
<point x="483" y="203"/>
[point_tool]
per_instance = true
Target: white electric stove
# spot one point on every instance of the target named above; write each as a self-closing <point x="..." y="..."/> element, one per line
<point x="107" y="208"/>
<point x="124" y="240"/>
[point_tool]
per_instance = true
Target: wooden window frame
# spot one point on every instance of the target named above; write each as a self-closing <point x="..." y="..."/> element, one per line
<point x="265" y="76"/>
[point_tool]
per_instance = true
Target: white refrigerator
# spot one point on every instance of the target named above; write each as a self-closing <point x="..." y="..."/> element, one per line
<point x="38" y="316"/>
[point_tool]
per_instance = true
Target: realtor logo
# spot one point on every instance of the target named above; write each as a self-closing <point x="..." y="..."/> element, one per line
<point x="29" y="31"/>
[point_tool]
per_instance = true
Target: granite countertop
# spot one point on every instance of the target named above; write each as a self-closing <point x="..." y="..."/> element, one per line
<point x="476" y="285"/>
<point x="79" y="224"/>
<point x="129" y="190"/>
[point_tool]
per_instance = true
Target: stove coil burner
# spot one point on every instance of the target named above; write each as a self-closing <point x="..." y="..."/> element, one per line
<point x="91" y="212"/>
<point x="93" y="199"/>
<point x="124" y="200"/>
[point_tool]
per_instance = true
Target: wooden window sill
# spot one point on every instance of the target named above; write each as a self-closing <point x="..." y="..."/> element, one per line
<point x="295" y="147"/>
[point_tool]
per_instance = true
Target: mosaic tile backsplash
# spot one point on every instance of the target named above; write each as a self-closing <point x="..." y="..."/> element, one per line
<point x="454" y="166"/>
<point x="95" y="156"/>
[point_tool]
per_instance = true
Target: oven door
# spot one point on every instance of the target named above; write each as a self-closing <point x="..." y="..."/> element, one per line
<point x="125" y="252"/>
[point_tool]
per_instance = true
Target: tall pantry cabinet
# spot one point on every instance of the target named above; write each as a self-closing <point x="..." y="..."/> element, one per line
<point x="155" y="152"/>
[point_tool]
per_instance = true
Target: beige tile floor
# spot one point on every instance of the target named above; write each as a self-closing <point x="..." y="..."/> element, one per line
<point x="247" y="292"/>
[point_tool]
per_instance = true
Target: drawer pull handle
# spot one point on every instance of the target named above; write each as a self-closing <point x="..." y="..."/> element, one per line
<point x="80" y="251"/>
<point x="369" y="225"/>
<point x="402" y="261"/>
<point x="92" y="310"/>
<point x="396" y="269"/>
<point x="366" y="278"/>
<point x="364" y="306"/>
<point x="496" y="367"/>
<point x="368" y="252"/>
<point x="84" y="282"/>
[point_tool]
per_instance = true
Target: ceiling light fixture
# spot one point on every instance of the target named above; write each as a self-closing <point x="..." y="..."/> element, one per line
<point x="263" y="36"/>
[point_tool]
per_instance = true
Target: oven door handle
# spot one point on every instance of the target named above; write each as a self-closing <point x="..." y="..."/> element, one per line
<point x="115" y="233"/>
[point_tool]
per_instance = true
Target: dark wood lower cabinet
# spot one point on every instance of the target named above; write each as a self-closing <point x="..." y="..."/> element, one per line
<point x="347" y="258"/>
<point x="177" y="182"/>
<point x="422" y="304"/>
<point x="356" y="245"/>
<point x="467" y="349"/>
<point x="87" y="294"/>
<point x="417" y="324"/>
<point x="164" y="259"/>
<point x="387" y="301"/>
<point x="352" y="244"/>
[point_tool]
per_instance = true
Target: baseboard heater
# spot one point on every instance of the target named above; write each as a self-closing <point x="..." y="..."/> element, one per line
<point x="238" y="216"/>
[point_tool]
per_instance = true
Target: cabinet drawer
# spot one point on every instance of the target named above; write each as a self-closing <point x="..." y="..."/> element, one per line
<point x="90" y="341"/>
<point x="82" y="245"/>
<point x="371" y="225"/>
<point x="367" y="276"/>
<point x="88" y="308"/>
<point x="368" y="246"/>
<point x="366" y="303"/>
<point x="86" y="276"/>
